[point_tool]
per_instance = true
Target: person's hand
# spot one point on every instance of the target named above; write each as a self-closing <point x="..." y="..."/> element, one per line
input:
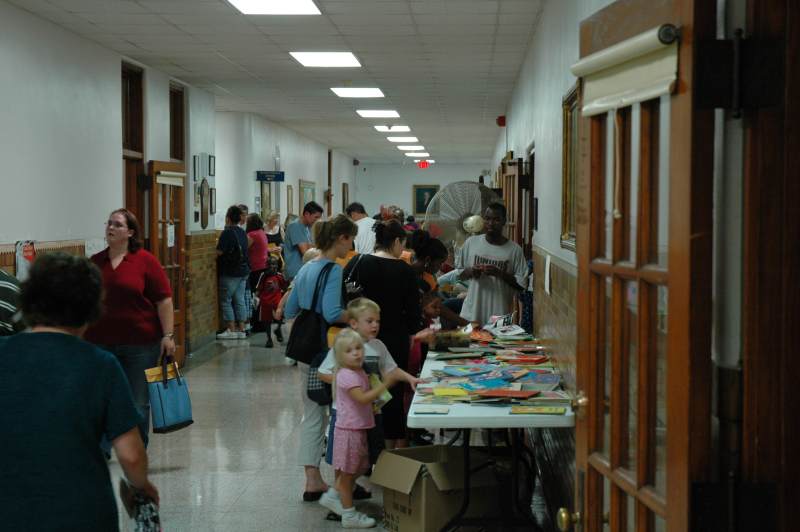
<point x="413" y="381"/>
<point x="278" y="314"/>
<point x="425" y="335"/>
<point x="167" y="346"/>
<point x="492" y="270"/>
<point x="476" y="324"/>
<point x="471" y="273"/>
<point x="151" y="492"/>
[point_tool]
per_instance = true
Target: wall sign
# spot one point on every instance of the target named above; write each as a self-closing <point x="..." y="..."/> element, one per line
<point x="272" y="176"/>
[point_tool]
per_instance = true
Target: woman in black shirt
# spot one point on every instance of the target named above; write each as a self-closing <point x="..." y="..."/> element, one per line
<point x="392" y="284"/>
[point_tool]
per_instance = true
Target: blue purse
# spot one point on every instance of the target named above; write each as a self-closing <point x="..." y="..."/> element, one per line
<point x="170" y="405"/>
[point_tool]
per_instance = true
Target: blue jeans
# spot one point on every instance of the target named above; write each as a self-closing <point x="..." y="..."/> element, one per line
<point x="134" y="359"/>
<point x="232" y="291"/>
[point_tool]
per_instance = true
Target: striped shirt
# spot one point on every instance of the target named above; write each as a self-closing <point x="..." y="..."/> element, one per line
<point x="10" y="319"/>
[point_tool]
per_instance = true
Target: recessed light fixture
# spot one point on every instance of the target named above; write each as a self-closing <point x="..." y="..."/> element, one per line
<point x="326" y="59"/>
<point x="276" y="7"/>
<point x="393" y="129"/>
<point x="417" y="154"/>
<point x="402" y="139"/>
<point x="411" y="148"/>
<point x="377" y="113"/>
<point x="357" y="92"/>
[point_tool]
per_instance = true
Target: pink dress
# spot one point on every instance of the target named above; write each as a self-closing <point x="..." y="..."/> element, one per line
<point x="350" y="453"/>
<point x="257" y="254"/>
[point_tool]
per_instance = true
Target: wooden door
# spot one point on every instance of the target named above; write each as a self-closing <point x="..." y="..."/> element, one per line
<point x="166" y="227"/>
<point x="644" y="287"/>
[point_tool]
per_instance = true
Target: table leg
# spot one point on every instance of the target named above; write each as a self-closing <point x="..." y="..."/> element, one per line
<point x="465" y="498"/>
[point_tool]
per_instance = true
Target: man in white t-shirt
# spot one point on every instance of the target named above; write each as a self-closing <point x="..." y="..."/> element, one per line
<point x="365" y="239"/>
<point x="495" y="267"/>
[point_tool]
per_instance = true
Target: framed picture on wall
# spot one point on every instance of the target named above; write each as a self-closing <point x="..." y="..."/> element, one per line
<point x="422" y="196"/>
<point x="197" y="196"/>
<point x="212" y="165"/>
<point x="289" y="199"/>
<point x="307" y="193"/>
<point x="345" y="196"/>
<point x="213" y="201"/>
<point x="195" y="167"/>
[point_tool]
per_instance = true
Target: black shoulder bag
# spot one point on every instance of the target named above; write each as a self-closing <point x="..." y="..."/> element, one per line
<point x="309" y="332"/>
<point x="352" y="285"/>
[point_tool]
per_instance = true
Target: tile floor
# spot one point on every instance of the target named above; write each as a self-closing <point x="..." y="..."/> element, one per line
<point x="234" y="468"/>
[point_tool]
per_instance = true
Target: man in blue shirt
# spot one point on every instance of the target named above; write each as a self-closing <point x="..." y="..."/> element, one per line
<point x="298" y="238"/>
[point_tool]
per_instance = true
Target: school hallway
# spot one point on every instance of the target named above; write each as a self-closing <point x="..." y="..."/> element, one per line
<point x="234" y="468"/>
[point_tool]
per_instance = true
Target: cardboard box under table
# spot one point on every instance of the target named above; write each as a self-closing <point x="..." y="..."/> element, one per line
<point x="423" y="487"/>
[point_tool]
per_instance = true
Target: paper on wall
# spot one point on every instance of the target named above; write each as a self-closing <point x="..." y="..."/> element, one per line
<point x="94" y="246"/>
<point x="170" y="236"/>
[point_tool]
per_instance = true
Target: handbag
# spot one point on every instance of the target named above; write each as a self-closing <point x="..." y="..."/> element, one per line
<point x="170" y="405"/>
<point x="316" y="389"/>
<point x="308" y="336"/>
<point x="352" y="285"/>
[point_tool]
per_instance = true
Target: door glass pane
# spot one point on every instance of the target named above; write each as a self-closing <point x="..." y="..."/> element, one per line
<point x="659" y="332"/>
<point x="605" y="346"/>
<point x="630" y="346"/>
<point x="660" y="523"/>
<point x="632" y="202"/>
<point x="608" y="190"/>
<point x="661" y="198"/>
<point x="630" y="504"/>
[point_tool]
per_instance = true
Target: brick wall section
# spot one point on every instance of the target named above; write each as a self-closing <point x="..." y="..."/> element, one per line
<point x="554" y="317"/>
<point x="201" y="264"/>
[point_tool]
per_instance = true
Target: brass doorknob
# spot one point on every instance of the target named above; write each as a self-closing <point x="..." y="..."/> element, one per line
<point x="579" y="403"/>
<point x="565" y="519"/>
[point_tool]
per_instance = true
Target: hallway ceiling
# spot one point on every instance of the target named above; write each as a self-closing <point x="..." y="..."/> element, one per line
<point x="447" y="66"/>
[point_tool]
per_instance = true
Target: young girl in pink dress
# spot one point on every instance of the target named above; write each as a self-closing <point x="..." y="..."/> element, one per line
<point x="354" y="415"/>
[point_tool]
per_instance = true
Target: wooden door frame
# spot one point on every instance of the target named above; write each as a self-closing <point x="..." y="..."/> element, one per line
<point x="153" y="168"/>
<point x="689" y="258"/>
<point x="771" y="297"/>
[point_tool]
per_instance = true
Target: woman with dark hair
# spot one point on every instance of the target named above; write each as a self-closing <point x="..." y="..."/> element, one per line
<point x="137" y="321"/>
<point x="233" y="271"/>
<point x="334" y="239"/>
<point x="429" y="255"/>
<point x="58" y="396"/>
<point x="392" y="284"/>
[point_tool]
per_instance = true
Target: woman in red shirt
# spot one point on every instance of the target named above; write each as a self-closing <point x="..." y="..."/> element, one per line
<point x="137" y="320"/>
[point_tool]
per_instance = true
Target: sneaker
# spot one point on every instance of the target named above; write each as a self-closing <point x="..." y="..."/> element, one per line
<point x="330" y="500"/>
<point x="269" y="342"/>
<point x="228" y="334"/>
<point x="279" y="334"/>
<point x="241" y="335"/>
<point x="355" y="519"/>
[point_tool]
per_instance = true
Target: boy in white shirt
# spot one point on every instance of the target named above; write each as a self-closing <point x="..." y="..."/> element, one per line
<point x="365" y="319"/>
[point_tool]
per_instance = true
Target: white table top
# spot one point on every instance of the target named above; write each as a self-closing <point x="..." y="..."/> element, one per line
<point x="466" y="416"/>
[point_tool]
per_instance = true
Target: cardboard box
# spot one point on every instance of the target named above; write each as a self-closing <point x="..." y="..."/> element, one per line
<point x="423" y="487"/>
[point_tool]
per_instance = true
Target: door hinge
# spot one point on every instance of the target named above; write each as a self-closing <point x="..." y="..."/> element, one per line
<point x="733" y="506"/>
<point x="739" y="73"/>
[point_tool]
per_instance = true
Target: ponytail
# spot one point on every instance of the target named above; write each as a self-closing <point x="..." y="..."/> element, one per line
<point x="325" y="233"/>
<point x="386" y="233"/>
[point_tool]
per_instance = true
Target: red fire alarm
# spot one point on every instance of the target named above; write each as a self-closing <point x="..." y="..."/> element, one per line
<point x="423" y="164"/>
<point x="501" y="121"/>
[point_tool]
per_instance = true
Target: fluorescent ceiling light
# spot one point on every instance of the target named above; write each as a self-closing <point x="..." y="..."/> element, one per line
<point x="393" y="129"/>
<point x="402" y="139"/>
<point x="356" y="92"/>
<point x="411" y="148"/>
<point x="326" y="59"/>
<point x="377" y="113"/>
<point x="276" y="7"/>
<point x="417" y="154"/>
<point x="431" y="161"/>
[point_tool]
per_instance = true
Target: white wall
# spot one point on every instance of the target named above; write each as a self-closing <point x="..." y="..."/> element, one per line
<point x="246" y="142"/>
<point x="60" y="132"/>
<point x="61" y="129"/>
<point x="534" y="115"/>
<point x="392" y="184"/>
<point x="201" y="118"/>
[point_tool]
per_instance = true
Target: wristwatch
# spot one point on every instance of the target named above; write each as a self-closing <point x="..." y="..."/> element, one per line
<point x="170" y="335"/>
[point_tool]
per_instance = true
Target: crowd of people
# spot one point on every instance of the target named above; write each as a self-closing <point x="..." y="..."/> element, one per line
<point x="376" y="283"/>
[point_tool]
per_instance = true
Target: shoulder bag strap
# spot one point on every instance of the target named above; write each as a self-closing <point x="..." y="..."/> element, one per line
<point x="323" y="276"/>
<point x="354" y="269"/>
